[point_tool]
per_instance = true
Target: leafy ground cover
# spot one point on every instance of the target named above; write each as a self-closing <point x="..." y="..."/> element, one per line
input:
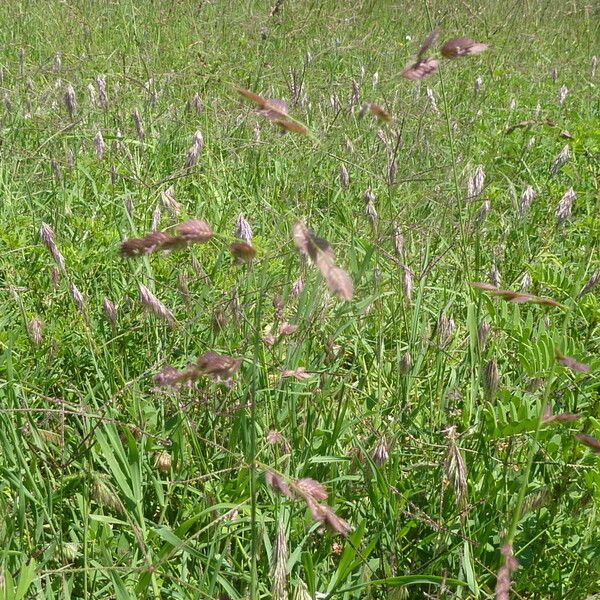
<point x="290" y="389"/>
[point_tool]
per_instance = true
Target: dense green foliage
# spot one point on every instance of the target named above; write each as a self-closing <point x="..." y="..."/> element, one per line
<point x="114" y="488"/>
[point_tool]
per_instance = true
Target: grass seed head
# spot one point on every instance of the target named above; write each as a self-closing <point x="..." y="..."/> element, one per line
<point x="593" y="66"/>
<point x="57" y="63"/>
<point x="70" y="100"/>
<point x="344" y="177"/>
<point x="92" y="96"/>
<point x="156" y="215"/>
<point x="380" y="453"/>
<point x="455" y="469"/>
<point x="460" y="47"/>
<point x="491" y="379"/>
<point x="431" y="101"/>
<point x="591" y="283"/>
<point x="169" y="202"/>
<point x="494" y="275"/>
<point x="562" y="94"/>
<point x="139" y="126"/>
<point x="194" y="231"/>
<point x="47" y="237"/>
<point x="77" y="297"/>
<point x="407" y="284"/>
<point x="110" y="312"/>
<point x="565" y="206"/>
<point x="99" y="145"/>
<point x="590" y="441"/>
<point x="102" y="95"/>
<point x="527" y="198"/>
<point x="429" y="41"/>
<point x="278" y="484"/>
<point x="561" y="159"/>
<point x="242" y="252"/>
<point x="218" y="367"/>
<point x="279" y="560"/>
<point x="297" y="287"/>
<point x="152" y="304"/>
<point x="406" y="363"/>
<point x="571" y="363"/>
<point x="421" y="69"/>
<point x="525" y="281"/>
<point x="55" y="170"/>
<point x="482" y="335"/>
<point x="163" y="461"/>
<point x="445" y="330"/>
<point x="243" y="230"/>
<point x="503" y="577"/>
<point x="476" y="183"/>
<point x="34" y="327"/>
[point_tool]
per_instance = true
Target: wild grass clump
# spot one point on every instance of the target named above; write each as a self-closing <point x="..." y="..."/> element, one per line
<point x="299" y="300"/>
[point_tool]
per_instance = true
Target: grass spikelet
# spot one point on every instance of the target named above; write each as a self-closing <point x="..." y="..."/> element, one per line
<point x="565" y="206"/>
<point x="278" y="484"/>
<point x="475" y="183"/>
<point x="152" y="304"/>
<point x="491" y="379"/>
<point x="482" y="335"/>
<point x="169" y="202"/>
<point x="243" y="230"/>
<point x="562" y="94"/>
<point x="146" y="245"/>
<point x="34" y="327"/>
<point x="460" y="47"/>
<point x="299" y="373"/>
<point x="406" y="363"/>
<point x="407" y="285"/>
<point x="242" y="252"/>
<point x="344" y="177"/>
<point x="102" y="95"/>
<point x="455" y="469"/>
<point x="503" y="577"/>
<point x="590" y="284"/>
<point x="279" y="559"/>
<point x="527" y="198"/>
<point x="110" y="312"/>
<point x="47" y="237"/>
<point x="380" y="113"/>
<point x="218" y="367"/>
<point x="99" y="145"/>
<point x="571" y="363"/>
<point x="92" y="96"/>
<point x="163" y="461"/>
<point x="445" y="330"/>
<point x="590" y="441"/>
<point x="380" y="454"/>
<point x="429" y="41"/>
<point x="515" y="297"/>
<point x="421" y="69"/>
<point x="431" y="101"/>
<point x="77" y="297"/>
<point x="70" y="101"/>
<point x="561" y="159"/>
<point x="139" y="126"/>
<point x="320" y="252"/>
<point x="105" y="495"/>
<point x="194" y="231"/>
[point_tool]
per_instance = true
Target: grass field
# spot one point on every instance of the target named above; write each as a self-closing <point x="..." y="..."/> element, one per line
<point x="411" y="437"/>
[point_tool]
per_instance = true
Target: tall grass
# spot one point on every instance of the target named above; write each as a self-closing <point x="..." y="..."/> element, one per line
<point x="437" y="419"/>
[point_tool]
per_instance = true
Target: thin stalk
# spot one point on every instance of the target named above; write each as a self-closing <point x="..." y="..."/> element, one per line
<point x="253" y="472"/>
<point x="516" y="517"/>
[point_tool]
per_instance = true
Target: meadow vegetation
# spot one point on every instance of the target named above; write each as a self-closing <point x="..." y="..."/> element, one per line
<point x="281" y="319"/>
